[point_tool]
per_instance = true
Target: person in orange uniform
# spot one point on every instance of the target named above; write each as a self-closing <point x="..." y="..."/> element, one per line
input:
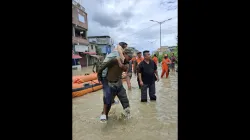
<point x="155" y="59"/>
<point x="164" y="64"/>
<point x="133" y="61"/>
<point x="138" y="60"/>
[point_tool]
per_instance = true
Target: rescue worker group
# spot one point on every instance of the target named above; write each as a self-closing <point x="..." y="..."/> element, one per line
<point x="121" y="63"/>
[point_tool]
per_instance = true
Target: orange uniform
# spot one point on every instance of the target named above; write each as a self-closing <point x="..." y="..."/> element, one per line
<point x="164" y="66"/>
<point x="138" y="60"/>
<point x="155" y="59"/>
<point x="134" y="58"/>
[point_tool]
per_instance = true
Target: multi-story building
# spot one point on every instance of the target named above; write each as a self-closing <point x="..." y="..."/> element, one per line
<point x="104" y="43"/>
<point x="80" y="44"/>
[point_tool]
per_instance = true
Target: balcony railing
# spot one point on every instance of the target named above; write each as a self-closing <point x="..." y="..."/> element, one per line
<point x="79" y="40"/>
<point x="78" y="5"/>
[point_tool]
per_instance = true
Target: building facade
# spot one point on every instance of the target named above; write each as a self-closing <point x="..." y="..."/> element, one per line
<point x="163" y="49"/>
<point x="80" y="44"/>
<point x="104" y="43"/>
<point x="171" y="48"/>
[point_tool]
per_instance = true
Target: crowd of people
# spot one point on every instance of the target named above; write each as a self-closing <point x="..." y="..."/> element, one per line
<point x="121" y="63"/>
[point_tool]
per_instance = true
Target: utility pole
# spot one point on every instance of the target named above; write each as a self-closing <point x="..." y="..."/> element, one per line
<point x="160" y="22"/>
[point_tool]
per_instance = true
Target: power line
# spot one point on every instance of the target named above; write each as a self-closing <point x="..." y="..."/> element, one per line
<point x="142" y="30"/>
<point x="145" y="29"/>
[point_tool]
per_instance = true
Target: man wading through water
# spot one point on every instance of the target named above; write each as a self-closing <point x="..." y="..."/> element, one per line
<point x="105" y="86"/>
<point x="147" y="76"/>
<point x="114" y="75"/>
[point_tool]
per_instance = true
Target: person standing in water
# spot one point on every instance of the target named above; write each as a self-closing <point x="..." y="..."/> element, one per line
<point x="129" y="75"/>
<point x="155" y="59"/>
<point x="173" y="60"/>
<point x="165" y="66"/>
<point x="138" y="60"/>
<point x="114" y="55"/>
<point x="147" y="76"/>
<point x="113" y="78"/>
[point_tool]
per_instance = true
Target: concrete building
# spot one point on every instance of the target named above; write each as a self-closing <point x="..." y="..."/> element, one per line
<point x="163" y="49"/>
<point x="171" y="48"/>
<point x="80" y="44"/>
<point x="104" y="43"/>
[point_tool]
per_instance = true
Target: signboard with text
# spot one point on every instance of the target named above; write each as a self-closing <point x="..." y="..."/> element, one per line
<point x="81" y="48"/>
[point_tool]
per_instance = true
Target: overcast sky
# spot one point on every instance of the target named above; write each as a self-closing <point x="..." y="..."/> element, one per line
<point x="128" y="21"/>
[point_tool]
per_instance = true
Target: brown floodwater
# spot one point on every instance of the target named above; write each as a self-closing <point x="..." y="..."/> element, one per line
<point x="152" y="120"/>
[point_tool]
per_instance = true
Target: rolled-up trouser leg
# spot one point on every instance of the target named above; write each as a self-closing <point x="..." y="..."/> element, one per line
<point x="152" y="91"/>
<point x="121" y="94"/>
<point x="144" y="92"/>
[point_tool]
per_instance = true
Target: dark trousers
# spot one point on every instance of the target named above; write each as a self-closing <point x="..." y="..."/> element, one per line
<point x="120" y="92"/>
<point x="107" y="96"/>
<point x="151" y="91"/>
<point x="138" y="82"/>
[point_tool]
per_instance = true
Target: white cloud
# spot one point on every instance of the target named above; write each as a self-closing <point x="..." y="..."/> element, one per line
<point x="128" y="20"/>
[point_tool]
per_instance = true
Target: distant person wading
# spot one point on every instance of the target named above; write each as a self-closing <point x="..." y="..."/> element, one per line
<point x="138" y="60"/>
<point x="165" y="66"/>
<point x="155" y="59"/>
<point x="173" y="60"/>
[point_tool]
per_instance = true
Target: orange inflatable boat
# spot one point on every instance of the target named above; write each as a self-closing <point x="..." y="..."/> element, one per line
<point x="84" y="78"/>
<point x="85" y="84"/>
<point x="84" y="88"/>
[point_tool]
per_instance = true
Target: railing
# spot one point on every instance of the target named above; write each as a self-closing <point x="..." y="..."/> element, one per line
<point x="78" y="5"/>
<point x="80" y="40"/>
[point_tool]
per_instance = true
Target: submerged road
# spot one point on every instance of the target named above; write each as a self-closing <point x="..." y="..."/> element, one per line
<point x="152" y="120"/>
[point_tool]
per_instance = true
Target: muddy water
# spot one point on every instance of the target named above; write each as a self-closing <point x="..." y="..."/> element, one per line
<point x="151" y="120"/>
<point x="82" y="71"/>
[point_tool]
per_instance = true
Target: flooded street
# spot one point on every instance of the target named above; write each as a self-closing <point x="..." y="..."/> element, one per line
<point x="152" y="120"/>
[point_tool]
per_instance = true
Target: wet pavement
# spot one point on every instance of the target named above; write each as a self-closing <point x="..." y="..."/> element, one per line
<point x="152" y="120"/>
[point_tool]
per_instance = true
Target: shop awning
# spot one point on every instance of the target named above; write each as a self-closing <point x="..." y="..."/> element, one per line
<point x="90" y="53"/>
<point x="75" y="56"/>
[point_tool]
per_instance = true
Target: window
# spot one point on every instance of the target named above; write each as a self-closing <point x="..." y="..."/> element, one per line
<point x="81" y="18"/>
<point x="80" y="33"/>
<point x="91" y="47"/>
